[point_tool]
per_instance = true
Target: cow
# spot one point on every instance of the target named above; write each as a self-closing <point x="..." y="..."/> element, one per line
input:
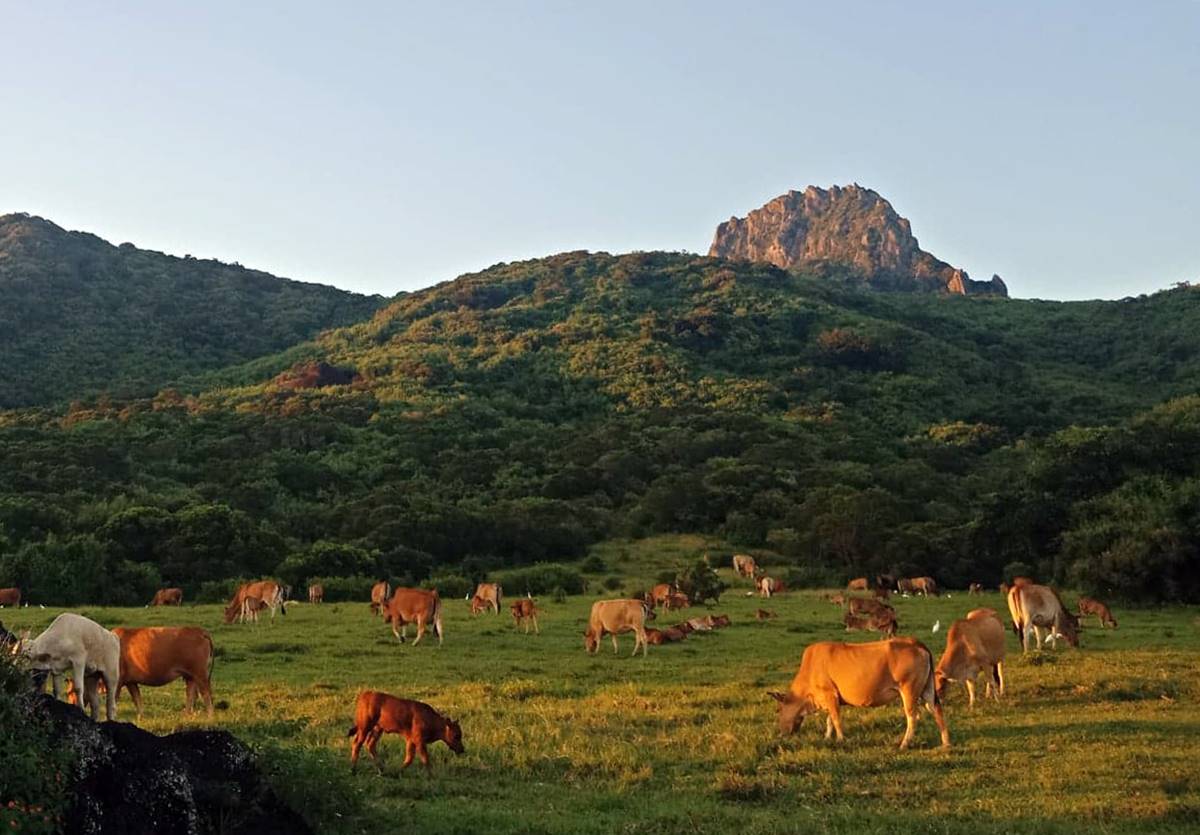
<point x="168" y="597"/>
<point x="973" y="643"/>
<point x="1019" y="580"/>
<point x="376" y="714"/>
<point x="661" y="593"/>
<point x="251" y="607"/>
<point x="833" y="673"/>
<point x="269" y="592"/>
<point x="885" y="581"/>
<point x="925" y="586"/>
<point x="744" y="565"/>
<point x="869" y="606"/>
<point x="1033" y="607"/>
<point x="858" y="584"/>
<point x="1091" y="606"/>
<point x="158" y="655"/>
<point x="768" y="586"/>
<point x="10" y="597"/>
<point x="685" y="627"/>
<point x="975" y="588"/>
<point x="678" y="600"/>
<point x="763" y="614"/>
<point x="721" y="621"/>
<point x="838" y="599"/>
<point x="316" y="593"/>
<point x="613" y="617"/>
<point x="524" y="611"/>
<point x="904" y="586"/>
<point x="884" y="622"/>
<point x="380" y="593"/>
<point x="87" y="650"/>
<point x="704" y="624"/>
<point x="414" y="606"/>
<point x="478" y="605"/>
<point x="490" y="594"/>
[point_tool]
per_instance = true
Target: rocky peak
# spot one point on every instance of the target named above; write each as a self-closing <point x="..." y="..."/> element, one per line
<point x="844" y="226"/>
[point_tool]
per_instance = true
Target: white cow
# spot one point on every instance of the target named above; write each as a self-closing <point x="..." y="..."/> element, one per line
<point x="84" y="648"/>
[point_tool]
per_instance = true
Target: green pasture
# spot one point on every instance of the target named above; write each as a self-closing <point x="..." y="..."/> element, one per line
<point x="1101" y="739"/>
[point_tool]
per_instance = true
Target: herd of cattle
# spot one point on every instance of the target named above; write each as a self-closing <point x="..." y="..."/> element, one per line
<point x="831" y="673"/>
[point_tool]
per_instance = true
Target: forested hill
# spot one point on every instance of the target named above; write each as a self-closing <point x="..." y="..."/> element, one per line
<point x="81" y="316"/>
<point x="527" y="411"/>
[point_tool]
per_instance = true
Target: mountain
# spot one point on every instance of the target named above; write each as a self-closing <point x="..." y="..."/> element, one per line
<point x="845" y="228"/>
<point x="81" y="316"/>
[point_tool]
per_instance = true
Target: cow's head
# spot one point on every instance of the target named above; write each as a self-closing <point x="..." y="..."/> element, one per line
<point x="591" y="641"/>
<point x="452" y="736"/>
<point x="792" y="710"/>
<point x="940" y="682"/>
<point x="1069" y="627"/>
<point x="648" y="611"/>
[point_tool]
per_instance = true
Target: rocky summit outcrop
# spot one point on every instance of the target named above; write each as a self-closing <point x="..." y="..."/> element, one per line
<point x="843" y="228"/>
<point x="130" y="782"/>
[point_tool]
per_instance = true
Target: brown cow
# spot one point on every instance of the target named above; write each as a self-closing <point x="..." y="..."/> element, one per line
<point x="664" y="636"/>
<point x="768" y="586"/>
<point x="678" y="600"/>
<point x="613" y="617"/>
<point x="869" y="606"/>
<point x="251" y="607"/>
<point x="524" y="611"/>
<point x="858" y="584"/>
<point x="10" y="597"/>
<point x="316" y="593"/>
<point x="478" y="605"/>
<point x="904" y="586"/>
<point x="925" y="586"/>
<point x="884" y="622"/>
<point x="157" y="655"/>
<point x="661" y="593"/>
<point x="744" y="565"/>
<point x="168" y="597"/>
<point x="833" y="674"/>
<point x="763" y="614"/>
<point x="973" y="644"/>
<point x="838" y="599"/>
<point x="376" y="714"/>
<point x="721" y="621"/>
<point x="267" y="591"/>
<point x="1033" y="607"/>
<point x="490" y="594"/>
<point x="1091" y="606"/>
<point x="975" y="588"/>
<point x="380" y="592"/>
<point x="414" y="606"/>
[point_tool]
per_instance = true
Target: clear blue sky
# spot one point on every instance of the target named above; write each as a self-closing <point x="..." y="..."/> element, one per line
<point x="389" y="146"/>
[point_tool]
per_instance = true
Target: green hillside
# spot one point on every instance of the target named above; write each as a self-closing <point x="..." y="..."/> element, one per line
<point x="526" y="412"/>
<point x="81" y="316"/>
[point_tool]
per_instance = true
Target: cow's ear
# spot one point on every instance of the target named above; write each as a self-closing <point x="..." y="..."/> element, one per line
<point x="777" y="696"/>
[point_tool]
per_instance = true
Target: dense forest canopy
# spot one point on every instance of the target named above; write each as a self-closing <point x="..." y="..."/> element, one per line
<point x="525" y="412"/>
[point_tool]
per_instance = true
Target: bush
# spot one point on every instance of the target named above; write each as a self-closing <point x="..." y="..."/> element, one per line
<point x="593" y="565"/>
<point x="218" y="591"/>
<point x="33" y="772"/>
<point x="327" y="559"/>
<point x="613" y="582"/>
<point x="811" y="577"/>
<point x="450" y="586"/>
<point x="343" y="589"/>
<point x="541" y="578"/>
<point x="700" y="583"/>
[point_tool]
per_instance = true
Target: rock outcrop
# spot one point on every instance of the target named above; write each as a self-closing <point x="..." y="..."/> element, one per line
<point x="849" y="228"/>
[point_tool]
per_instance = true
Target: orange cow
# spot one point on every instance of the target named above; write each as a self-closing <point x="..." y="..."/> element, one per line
<point x="376" y="714"/>
<point x="158" y="655"/>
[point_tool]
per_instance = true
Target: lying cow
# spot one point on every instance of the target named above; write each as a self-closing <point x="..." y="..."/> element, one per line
<point x="489" y="594"/>
<point x="268" y="592"/>
<point x="524" y="611"/>
<point x="85" y="649"/>
<point x="424" y="608"/>
<point x="1091" y="606"/>
<point x="869" y="606"/>
<point x="168" y="597"/>
<point x="316" y="593"/>
<point x="10" y="597"/>
<point x="612" y="617"/>
<point x="763" y="614"/>
<point x="159" y="655"/>
<point x="1035" y="607"/>
<point x="973" y="644"/>
<point x="677" y="600"/>
<point x="376" y="714"/>
<point x="833" y="674"/>
<point x="664" y="636"/>
<point x="380" y="593"/>
<point x="721" y="621"/>
<point x="884" y="622"/>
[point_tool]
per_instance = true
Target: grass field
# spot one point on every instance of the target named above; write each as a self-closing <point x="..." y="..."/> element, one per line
<point x="1102" y="739"/>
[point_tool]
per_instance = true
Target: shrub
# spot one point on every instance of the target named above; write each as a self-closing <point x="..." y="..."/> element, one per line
<point x="541" y="578"/>
<point x="343" y="589"/>
<point x="218" y="591"/>
<point x="450" y="585"/>
<point x="593" y="565"/>
<point x="700" y="583"/>
<point x="32" y="770"/>
<point x="612" y="583"/>
<point x="811" y="577"/>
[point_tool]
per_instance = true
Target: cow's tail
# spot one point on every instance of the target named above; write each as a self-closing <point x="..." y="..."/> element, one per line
<point x="212" y="655"/>
<point x="930" y="694"/>
<point x="437" y="615"/>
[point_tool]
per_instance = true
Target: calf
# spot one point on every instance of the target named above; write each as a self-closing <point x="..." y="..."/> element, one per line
<point x="268" y="592"/>
<point x="875" y="622"/>
<point x="721" y="621"/>
<point x="84" y="648"/>
<point x="478" y="605"/>
<point x="376" y="714"/>
<point x="251" y="607"/>
<point x="768" y="586"/>
<point x="661" y="594"/>
<point x="973" y="644"/>
<point x="490" y="594"/>
<point x="524" y="611"/>
<point x="1091" y="606"/>
<point x="838" y="599"/>
<point x="168" y="597"/>
<point x="316" y="593"/>
<point x="155" y="656"/>
<point x="744" y="565"/>
<point x="380" y="592"/>
<point x="677" y="600"/>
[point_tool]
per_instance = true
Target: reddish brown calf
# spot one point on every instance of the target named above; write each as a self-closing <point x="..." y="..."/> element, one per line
<point x="378" y="713"/>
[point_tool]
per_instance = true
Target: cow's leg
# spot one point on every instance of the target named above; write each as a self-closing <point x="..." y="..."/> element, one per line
<point x="998" y="678"/>
<point x="135" y="693"/>
<point x="536" y="628"/>
<point x="970" y="683"/>
<point x="355" y="747"/>
<point x="835" y="718"/>
<point x="409" y="750"/>
<point x="828" y="726"/>
<point x="911" y="714"/>
<point x="78" y="680"/>
<point x="423" y="753"/>
<point x="205" y="685"/>
<point x="614" y="639"/>
<point x="91" y="695"/>
<point x="111" y="684"/>
<point x="420" y="631"/>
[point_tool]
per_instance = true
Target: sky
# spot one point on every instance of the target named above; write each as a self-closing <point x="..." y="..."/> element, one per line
<point x="382" y="147"/>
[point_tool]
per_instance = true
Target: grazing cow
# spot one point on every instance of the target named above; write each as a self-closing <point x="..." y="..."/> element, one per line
<point x="858" y="584"/>
<point x="380" y="592"/>
<point x="612" y="617"/>
<point x="869" y="606"/>
<point x="490" y="594"/>
<point x="1091" y="606"/>
<point x="973" y="644"/>
<point x="661" y="593"/>
<point x="168" y="597"/>
<point x="376" y="714"/>
<point x="316" y="593"/>
<point x="763" y="614"/>
<point x="768" y="586"/>
<point x="478" y="605"/>
<point x="678" y="600"/>
<point x="524" y="611"/>
<point x="838" y="599"/>
<point x="267" y="591"/>
<point x="251" y="607"/>
<point x="1033" y="607"/>
<point x="904" y="586"/>
<point x="744" y="565"/>
<point x="925" y="586"/>
<point x="975" y="588"/>
<point x="87" y="650"/>
<point x="884" y="622"/>
<point x="414" y="606"/>
<point x="10" y="597"/>
<point x="155" y="656"/>
<point x="833" y="674"/>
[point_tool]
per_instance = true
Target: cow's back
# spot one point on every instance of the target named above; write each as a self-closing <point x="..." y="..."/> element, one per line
<point x="412" y="604"/>
<point x="615" y="615"/>
<point x="155" y="655"/>
<point x="865" y="674"/>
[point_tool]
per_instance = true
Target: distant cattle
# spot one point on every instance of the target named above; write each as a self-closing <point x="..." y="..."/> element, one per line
<point x="973" y="644"/>
<point x="924" y="586"/>
<point x="252" y="607"/>
<point x="869" y="606"/>
<point x="763" y="614"/>
<point x="884" y="622"/>
<point x="858" y="584"/>
<point x="159" y="655"/>
<point x="85" y="649"/>
<point x="904" y="586"/>
<point x="885" y="581"/>
<point x="524" y="611"/>
<point x="832" y="674"/>
<point x="490" y="594"/>
<point x="768" y="586"/>
<point x="612" y="617"/>
<point x="478" y="605"/>
<point x="1035" y="607"/>
<point x="703" y="624"/>
<point x="721" y="621"/>
<point x="424" y="608"/>
<point x="10" y="597"/>
<point x="678" y="600"/>
<point x="975" y="588"/>
<point x="316" y="593"/>
<point x="376" y="714"/>
<point x="661" y="593"/>
<point x="744" y="565"/>
<point x="168" y="597"/>
<point x="837" y="599"/>
<point x="269" y="592"/>
<point x="1091" y="606"/>
<point x="669" y="635"/>
<point x="380" y="593"/>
